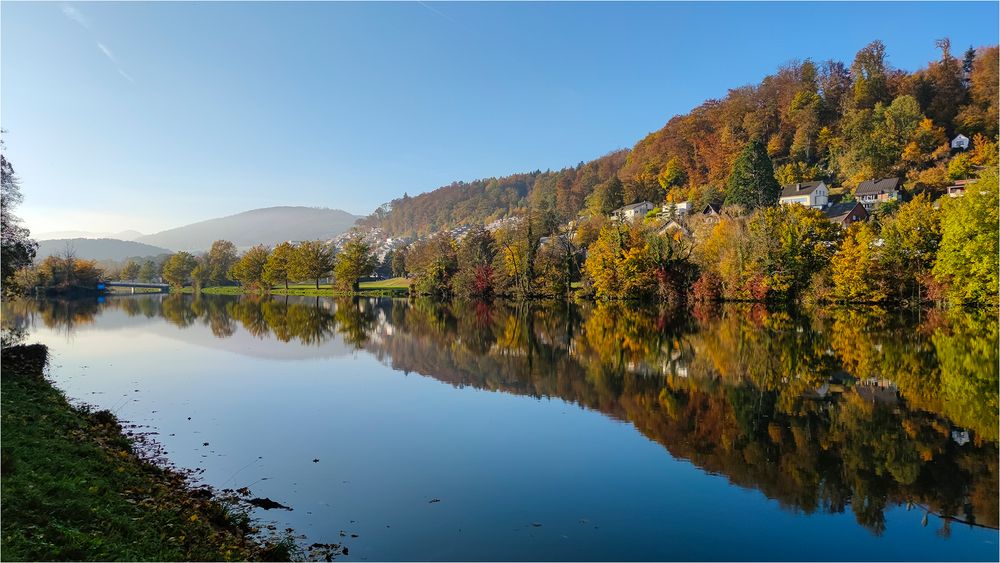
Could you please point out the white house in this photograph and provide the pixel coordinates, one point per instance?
(810, 194)
(960, 142)
(630, 212)
(680, 209)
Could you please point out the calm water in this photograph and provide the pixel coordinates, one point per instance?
(548, 432)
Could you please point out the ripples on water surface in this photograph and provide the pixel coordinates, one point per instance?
(554, 432)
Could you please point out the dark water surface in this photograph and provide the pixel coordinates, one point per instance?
(550, 432)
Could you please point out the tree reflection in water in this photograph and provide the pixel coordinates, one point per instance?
(822, 410)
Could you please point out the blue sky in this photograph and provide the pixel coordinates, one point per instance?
(151, 115)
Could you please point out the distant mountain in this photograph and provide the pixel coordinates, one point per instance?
(53, 235)
(269, 225)
(99, 249)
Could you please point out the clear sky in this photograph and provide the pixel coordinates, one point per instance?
(151, 115)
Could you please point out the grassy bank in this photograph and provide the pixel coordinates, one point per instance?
(393, 287)
(73, 487)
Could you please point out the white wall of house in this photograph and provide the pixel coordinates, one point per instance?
(817, 198)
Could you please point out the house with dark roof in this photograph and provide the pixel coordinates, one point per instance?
(871, 192)
(712, 209)
(845, 213)
(810, 194)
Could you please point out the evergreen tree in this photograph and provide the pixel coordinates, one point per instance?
(751, 182)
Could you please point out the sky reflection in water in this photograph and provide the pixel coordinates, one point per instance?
(591, 432)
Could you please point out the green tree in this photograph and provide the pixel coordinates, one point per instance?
(967, 256)
(249, 269)
(312, 260)
(910, 238)
(751, 182)
(354, 261)
(177, 269)
(277, 269)
(607, 197)
(149, 271)
(399, 263)
(200, 274)
(871, 84)
(220, 260)
(130, 270)
(17, 249)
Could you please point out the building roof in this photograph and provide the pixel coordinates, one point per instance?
(877, 186)
(634, 206)
(800, 188)
(712, 209)
(840, 211)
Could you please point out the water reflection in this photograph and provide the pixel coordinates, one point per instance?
(830, 410)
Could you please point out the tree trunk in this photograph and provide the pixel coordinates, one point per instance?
(317, 284)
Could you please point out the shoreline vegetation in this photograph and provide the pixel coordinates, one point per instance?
(78, 486)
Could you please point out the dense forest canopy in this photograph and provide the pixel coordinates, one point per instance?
(841, 123)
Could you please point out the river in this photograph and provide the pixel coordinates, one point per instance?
(424, 431)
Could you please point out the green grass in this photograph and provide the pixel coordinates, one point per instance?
(381, 288)
(391, 283)
(74, 489)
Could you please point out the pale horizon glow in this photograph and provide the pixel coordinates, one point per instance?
(151, 115)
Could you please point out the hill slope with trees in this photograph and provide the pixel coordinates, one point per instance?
(841, 123)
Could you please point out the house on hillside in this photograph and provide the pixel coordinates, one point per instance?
(961, 142)
(679, 209)
(843, 214)
(672, 228)
(713, 209)
(871, 192)
(810, 194)
(630, 212)
(958, 188)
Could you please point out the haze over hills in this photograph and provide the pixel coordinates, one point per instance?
(99, 249)
(53, 235)
(269, 225)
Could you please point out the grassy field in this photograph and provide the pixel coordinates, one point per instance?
(73, 487)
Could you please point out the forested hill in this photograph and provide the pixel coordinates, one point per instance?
(832, 121)
(482, 201)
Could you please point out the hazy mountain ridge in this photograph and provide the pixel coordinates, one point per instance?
(269, 225)
(55, 235)
(99, 249)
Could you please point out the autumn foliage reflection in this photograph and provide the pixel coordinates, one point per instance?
(824, 410)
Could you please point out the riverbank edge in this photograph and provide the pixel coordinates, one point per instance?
(73, 486)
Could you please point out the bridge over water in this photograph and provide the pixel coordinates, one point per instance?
(160, 287)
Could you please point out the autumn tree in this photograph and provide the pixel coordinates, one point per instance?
(355, 260)
(220, 259)
(857, 266)
(751, 182)
(476, 255)
(312, 260)
(278, 268)
(619, 265)
(433, 263)
(249, 268)
(177, 269)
